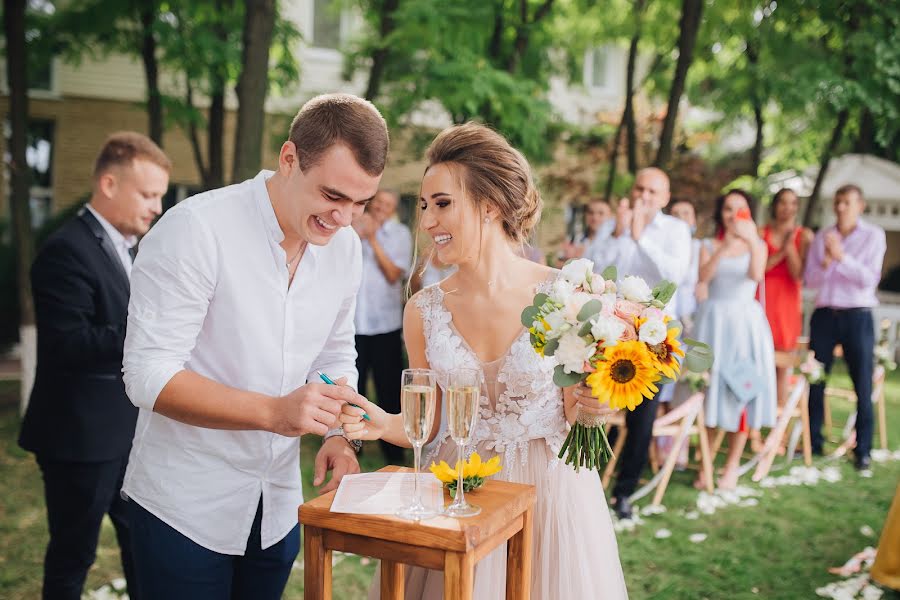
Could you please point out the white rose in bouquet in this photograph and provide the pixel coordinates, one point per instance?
(635, 289)
(573, 352)
(607, 330)
(652, 332)
(579, 272)
(574, 305)
(561, 291)
(556, 322)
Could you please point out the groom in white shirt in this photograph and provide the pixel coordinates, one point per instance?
(645, 242)
(239, 296)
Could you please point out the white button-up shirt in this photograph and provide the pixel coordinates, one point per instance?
(209, 293)
(121, 243)
(379, 308)
(662, 252)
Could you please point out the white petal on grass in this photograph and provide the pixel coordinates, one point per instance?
(662, 534)
(697, 538)
(864, 530)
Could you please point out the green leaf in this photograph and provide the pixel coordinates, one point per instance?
(663, 291)
(610, 273)
(674, 324)
(699, 357)
(550, 347)
(563, 379)
(529, 315)
(540, 300)
(585, 329)
(591, 308)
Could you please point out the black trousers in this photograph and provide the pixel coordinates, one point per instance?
(854, 330)
(78, 494)
(382, 354)
(636, 450)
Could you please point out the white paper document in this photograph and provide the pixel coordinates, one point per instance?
(385, 493)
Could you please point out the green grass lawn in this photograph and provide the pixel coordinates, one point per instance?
(780, 548)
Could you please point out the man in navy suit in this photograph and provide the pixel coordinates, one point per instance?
(79, 422)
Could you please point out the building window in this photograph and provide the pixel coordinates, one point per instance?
(39, 156)
(326, 24)
(596, 68)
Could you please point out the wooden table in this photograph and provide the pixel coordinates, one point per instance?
(442, 543)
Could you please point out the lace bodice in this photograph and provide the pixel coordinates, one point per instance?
(519, 402)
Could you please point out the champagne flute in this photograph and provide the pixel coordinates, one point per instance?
(463, 399)
(417, 405)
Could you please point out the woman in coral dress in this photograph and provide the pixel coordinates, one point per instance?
(787, 244)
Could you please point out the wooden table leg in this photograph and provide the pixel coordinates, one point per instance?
(459, 575)
(392, 584)
(518, 561)
(807, 432)
(316, 565)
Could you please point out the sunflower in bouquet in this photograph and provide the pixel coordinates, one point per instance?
(615, 337)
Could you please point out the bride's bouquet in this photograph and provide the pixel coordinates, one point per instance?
(613, 336)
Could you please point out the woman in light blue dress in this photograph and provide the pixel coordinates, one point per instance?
(742, 392)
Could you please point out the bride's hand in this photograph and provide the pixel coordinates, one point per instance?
(357, 428)
(587, 403)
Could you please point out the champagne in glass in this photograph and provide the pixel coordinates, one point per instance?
(463, 399)
(417, 405)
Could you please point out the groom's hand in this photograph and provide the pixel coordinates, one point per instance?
(336, 456)
(312, 408)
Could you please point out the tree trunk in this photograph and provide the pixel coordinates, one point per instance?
(151, 72)
(523, 32)
(193, 135)
(628, 114)
(691, 12)
(865, 140)
(386, 26)
(253, 84)
(613, 159)
(20, 182)
(215, 151)
(836, 137)
(496, 43)
(759, 143)
(757, 102)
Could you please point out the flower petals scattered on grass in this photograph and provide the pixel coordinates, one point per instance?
(804, 476)
(662, 534)
(697, 537)
(867, 531)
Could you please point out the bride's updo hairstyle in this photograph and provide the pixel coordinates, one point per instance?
(491, 173)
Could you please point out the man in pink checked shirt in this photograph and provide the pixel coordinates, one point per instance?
(844, 265)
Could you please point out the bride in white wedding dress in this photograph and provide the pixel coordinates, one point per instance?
(478, 203)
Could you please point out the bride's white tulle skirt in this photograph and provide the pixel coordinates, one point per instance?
(575, 556)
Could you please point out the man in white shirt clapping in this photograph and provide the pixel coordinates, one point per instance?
(239, 296)
(645, 242)
(387, 254)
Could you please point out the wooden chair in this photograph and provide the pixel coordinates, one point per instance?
(878, 404)
(685, 420)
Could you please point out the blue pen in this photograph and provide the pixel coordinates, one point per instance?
(329, 381)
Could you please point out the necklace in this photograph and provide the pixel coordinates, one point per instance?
(299, 252)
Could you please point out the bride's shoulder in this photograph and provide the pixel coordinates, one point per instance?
(544, 275)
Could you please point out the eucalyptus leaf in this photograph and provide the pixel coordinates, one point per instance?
(550, 347)
(540, 300)
(585, 329)
(699, 357)
(591, 308)
(674, 324)
(664, 291)
(563, 379)
(610, 273)
(530, 315)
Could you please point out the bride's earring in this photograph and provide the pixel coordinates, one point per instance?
(487, 220)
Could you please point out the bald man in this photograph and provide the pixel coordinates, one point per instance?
(645, 242)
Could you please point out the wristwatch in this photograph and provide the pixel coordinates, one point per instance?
(355, 444)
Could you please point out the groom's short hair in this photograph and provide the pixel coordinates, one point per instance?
(346, 119)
